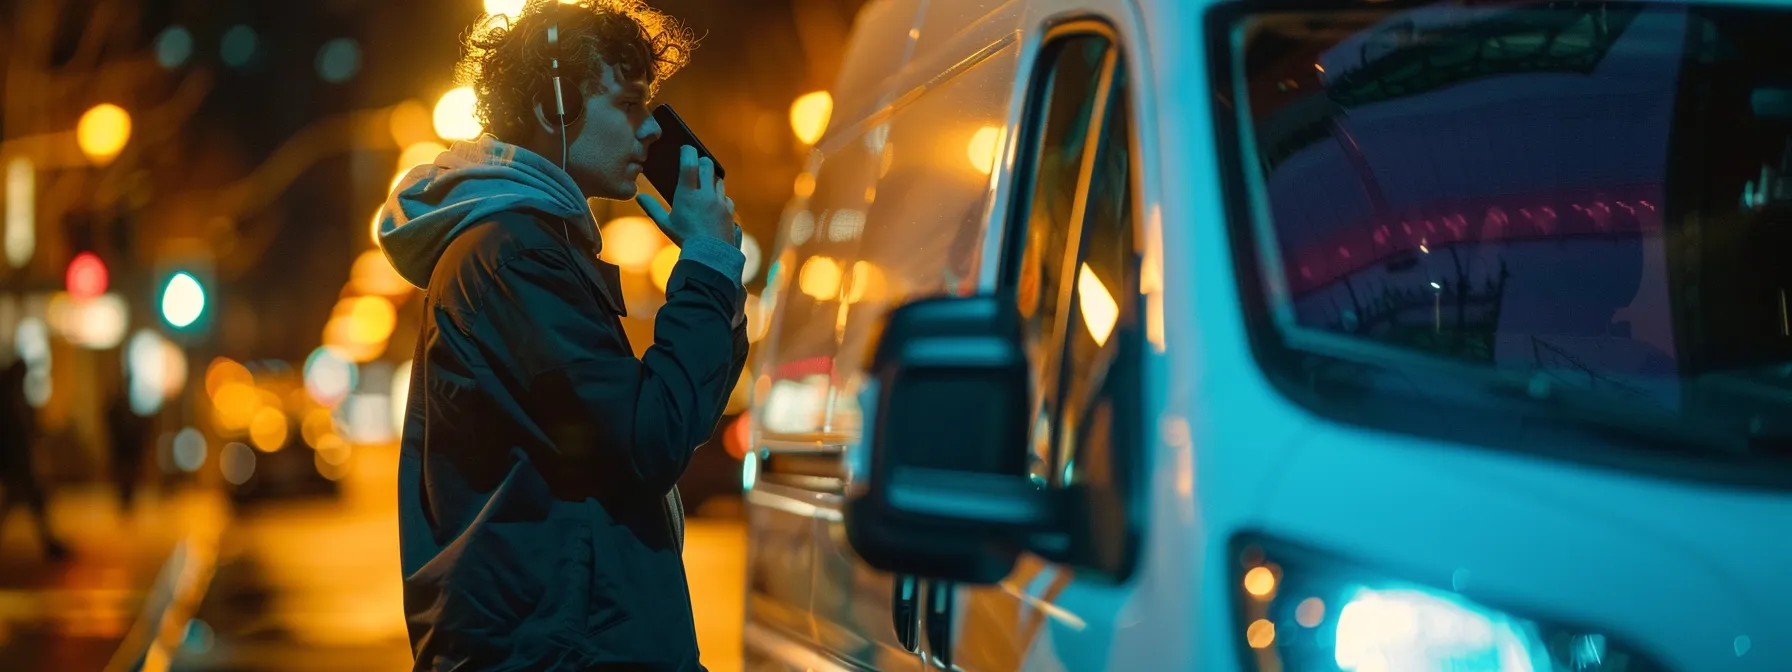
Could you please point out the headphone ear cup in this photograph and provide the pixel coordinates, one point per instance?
(575, 109)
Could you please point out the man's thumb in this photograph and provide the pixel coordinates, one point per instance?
(652, 207)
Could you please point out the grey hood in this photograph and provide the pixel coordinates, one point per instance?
(466, 185)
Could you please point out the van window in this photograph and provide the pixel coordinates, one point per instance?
(1561, 228)
(922, 209)
(1103, 309)
(1073, 268)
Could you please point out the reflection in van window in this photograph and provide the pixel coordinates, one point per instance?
(1583, 208)
(1068, 94)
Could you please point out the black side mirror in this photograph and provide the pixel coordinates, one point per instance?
(941, 487)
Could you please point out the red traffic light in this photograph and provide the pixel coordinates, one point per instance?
(87, 276)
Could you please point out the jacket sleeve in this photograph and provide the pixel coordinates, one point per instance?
(601, 408)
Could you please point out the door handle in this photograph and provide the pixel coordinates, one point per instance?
(905, 611)
(941, 598)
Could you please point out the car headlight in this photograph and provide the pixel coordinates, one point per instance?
(1301, 612)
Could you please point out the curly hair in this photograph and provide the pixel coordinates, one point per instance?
(507, 64)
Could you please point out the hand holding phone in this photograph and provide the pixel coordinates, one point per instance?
(703, 208)
(680, 168)
(665, 156)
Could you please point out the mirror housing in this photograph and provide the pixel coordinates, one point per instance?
(938, 486)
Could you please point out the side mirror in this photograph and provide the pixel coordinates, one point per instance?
(939, 483)
(1771, 102)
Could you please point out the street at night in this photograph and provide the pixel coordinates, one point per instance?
(908, 335)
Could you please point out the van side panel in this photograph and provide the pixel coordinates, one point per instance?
(897, 210)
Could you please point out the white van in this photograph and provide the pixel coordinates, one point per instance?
(1285, 336)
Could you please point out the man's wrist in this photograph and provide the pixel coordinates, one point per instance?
(716, 254)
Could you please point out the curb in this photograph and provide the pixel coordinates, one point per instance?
(181, 584)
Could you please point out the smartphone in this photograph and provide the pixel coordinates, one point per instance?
(661, 167)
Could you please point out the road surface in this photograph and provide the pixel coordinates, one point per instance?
(314, 584)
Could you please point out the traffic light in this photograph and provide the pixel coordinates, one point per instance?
(87, 277)
(186, 296)
(183, 300)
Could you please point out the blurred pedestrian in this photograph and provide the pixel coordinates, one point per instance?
(539, 522)
(18, 470)
(127, 432)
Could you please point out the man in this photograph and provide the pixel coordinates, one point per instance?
(18, 473)
(539, 524)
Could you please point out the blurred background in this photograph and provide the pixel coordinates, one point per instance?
(215, 353)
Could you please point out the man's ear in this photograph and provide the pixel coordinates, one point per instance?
(546, 120)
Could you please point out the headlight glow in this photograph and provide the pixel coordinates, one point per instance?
(1303, 611)
(1417, 630)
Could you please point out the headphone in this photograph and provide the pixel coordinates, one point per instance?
(559, 93)
(566, 119)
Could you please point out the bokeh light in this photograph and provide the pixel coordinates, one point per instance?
(103, 131)
(316, 424)
(31, 341)
(183, 300)
(21, 211)
(238, 46)
(147, 364)
(1260, 634)
(507, 8)
(98, 323)
(329, 377)
(401, 394)
(981, 150)
(749, 246)
(809, 116)
(189, 450)
(820, 278)
(1099, 310)
(173, 47)
(418, 154)
(1260, 581)
(237, 462)
(1310, 612)
(373, 274)
(268, 430)
(455, 118)
(663, 263)
(866, 283)
(802, 227)
(758, 321)
(373, 317)
(410, 123)
(333, 449)
(338, 60)
(223, 371)
(632, 242)
(87, 276)
(234, 407)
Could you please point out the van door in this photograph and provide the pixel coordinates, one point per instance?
(891, 207)
(1072, 263)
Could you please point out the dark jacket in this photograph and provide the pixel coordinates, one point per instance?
(538, 516)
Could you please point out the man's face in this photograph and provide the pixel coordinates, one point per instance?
(607, 146)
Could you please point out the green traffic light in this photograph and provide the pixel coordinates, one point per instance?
(183, 300)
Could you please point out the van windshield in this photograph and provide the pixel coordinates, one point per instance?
(1573, 212)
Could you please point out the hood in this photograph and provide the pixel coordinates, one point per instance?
(466, 185)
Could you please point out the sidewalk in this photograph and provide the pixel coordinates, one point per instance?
(125, 574)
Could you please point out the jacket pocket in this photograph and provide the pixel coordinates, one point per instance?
(605, 573)
(518, 577)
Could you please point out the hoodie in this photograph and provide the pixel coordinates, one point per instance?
(473, 181)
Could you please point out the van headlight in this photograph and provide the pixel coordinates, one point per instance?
(1302, 613)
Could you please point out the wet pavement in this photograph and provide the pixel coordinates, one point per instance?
(186, 582)
(97, 610)
(313, 584)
